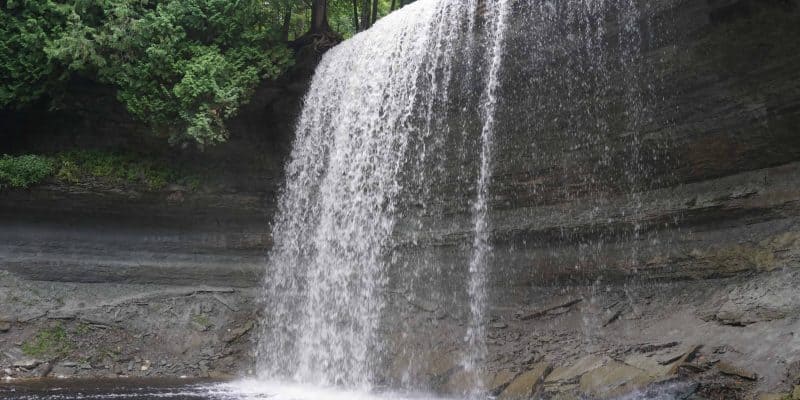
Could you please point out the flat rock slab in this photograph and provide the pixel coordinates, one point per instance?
(613, 379)
(571, 374)
(526, 384)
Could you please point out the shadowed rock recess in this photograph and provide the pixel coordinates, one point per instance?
(644, 219)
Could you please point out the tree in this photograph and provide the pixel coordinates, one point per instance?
(183, 67)
(319, 17)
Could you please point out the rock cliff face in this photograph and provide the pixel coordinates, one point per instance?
(656, 242)
(658, 252)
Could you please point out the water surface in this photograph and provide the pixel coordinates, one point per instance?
(181, 389)
(193, 389)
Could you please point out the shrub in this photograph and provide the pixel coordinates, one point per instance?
(24, 171)
(114, 168)
(51, 343)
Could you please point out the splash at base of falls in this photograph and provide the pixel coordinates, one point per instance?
(259, 390)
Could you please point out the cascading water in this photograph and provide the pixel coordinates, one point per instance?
(336, 215)
(333, 230)
(478, 263)
(402, 122)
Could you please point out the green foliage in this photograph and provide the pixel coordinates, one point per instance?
(182, 66)
(114, 168)
(49, 343)
(24, 171)
(25, 70)
(84, 166)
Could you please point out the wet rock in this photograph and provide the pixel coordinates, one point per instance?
(685, 358)
(499, 325)
(662, 361)
(570, 375)
(650, 364)
(500, 380)
(527, 383)
(613, 379)
(236, 333)
(441, 363)
(5, 326)
(732, 370)
(558, 308)
(462, 382)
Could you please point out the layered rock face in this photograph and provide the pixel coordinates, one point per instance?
(645, 224)
(646, 232)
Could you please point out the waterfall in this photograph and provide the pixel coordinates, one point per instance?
(333, 229)
(404, 121)
(478, 264)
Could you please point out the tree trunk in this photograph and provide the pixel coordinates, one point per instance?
(365, 15)
(355, 15)
(287, 23)
(374, 11)
(394, 3)
(319, 16)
